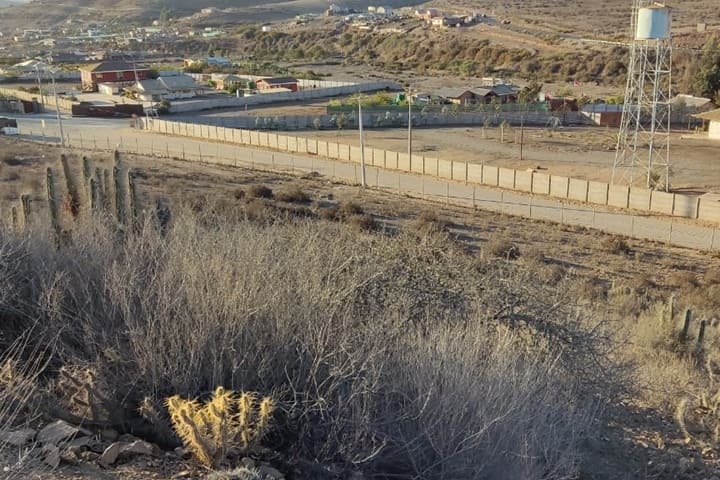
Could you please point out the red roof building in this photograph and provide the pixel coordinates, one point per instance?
(112, 71)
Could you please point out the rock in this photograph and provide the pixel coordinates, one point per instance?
(138, 447)
(52, 456)
(76, 445)
(57, 432)
(110, 455)
(17, 438)
(127, 438)
(182, 452)
(89, 456)
(357, 476)
(109, 435)
(69, 456)
(270, 473)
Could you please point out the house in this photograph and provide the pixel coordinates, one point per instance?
(428, 14)
(604, 114)
(713, 117)
(289, 83)
(458, 96)
(111, 71)
(166, 88)
(505, 93)
(385, 10)
(223, 81)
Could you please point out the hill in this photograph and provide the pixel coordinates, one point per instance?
(49, 12)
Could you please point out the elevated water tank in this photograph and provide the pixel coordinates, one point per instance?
(653, 23)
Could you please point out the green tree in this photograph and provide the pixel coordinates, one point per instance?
(706, 81)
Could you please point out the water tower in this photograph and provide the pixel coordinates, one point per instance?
(642, 156)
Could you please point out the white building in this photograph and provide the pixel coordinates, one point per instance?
(713, 117)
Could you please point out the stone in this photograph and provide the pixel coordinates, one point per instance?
(127, 438)
(109, 434)
(17, 438)
(57, 432)
(89, 456)
(182, 452)
(110, 455)
(76, 445)
(269, 473)
(69, 456)
(138, 447)
(52, 456)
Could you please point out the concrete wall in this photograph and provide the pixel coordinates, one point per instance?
(525, 181)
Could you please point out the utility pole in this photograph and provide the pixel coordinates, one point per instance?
(522, 131)
(409, 100)
(362, 142)
(57, 108)
(39, 82)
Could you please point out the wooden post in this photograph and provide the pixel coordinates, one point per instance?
(686, 325)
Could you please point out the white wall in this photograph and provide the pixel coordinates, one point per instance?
(714, 130)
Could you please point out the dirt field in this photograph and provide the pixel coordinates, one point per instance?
(586, 152)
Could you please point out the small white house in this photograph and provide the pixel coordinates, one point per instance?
(713, 117)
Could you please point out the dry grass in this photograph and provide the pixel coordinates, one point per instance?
(615, 245)
(293, 195)
(502, 248)
(297, 309)
(260, 191)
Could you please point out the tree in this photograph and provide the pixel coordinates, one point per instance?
(530, 93)
(706, 81)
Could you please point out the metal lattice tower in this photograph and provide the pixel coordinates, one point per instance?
(643, 147)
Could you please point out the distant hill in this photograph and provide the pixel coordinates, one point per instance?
(49, 12)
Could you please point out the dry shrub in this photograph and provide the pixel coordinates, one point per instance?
(351, 208)
(331, 213)
(473, 376)
(428, 222)
(616, 245)
(293, 195)
(260, 191)
(239, 194)
(364, 222)
(502, 248)
(259, 210)
(711, 277)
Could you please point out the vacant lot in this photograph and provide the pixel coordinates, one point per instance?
(581, 152)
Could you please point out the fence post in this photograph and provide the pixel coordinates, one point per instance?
(108, 142)
(95, 144)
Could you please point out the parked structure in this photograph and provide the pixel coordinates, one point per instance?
(112, 71)
(289, 83)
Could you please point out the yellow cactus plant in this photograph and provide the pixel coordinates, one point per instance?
(227, 420)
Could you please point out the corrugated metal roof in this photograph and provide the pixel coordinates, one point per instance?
(279, 80)
(712, 115)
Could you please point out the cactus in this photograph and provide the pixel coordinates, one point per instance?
(25, 205)
(14, 216)
(73, 194)
(119, 200)
(132, 198)
(686, 325)
(107, 201)
(87, 172)
(52, 206)
(94, 199)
